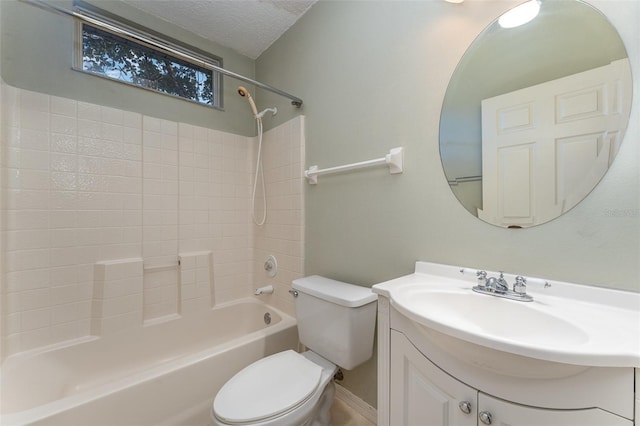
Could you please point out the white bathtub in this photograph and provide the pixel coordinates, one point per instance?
(167, 373)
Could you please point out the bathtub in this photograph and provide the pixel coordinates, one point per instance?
(164, 374)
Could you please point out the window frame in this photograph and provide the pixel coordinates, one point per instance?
(161, 45)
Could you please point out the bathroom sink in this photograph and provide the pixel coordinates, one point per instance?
(565, 325)
(493, 317)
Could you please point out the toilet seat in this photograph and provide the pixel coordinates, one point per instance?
(267, 388)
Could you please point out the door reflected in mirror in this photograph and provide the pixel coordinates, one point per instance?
(534, 115)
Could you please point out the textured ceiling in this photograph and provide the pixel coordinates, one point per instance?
(247, 26)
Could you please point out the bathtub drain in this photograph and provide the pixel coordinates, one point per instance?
(267, 318)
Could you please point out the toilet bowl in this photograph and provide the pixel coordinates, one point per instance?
(287, 388)
(336, 321)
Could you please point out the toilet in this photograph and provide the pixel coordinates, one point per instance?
(336, 322)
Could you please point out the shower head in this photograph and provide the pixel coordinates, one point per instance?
(245, 94)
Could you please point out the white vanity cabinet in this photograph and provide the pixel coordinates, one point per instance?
(423, 394)
(508, 413)
(448, 355)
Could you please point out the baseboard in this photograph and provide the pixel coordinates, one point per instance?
(357, 404)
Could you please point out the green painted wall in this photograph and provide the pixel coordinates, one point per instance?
(373, 75)
(37, 54)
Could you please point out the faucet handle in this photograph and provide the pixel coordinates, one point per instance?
(520, 286)
(482, 278)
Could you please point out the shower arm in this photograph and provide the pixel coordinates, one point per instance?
(85, 16)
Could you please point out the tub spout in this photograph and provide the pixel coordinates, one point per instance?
(267, 289)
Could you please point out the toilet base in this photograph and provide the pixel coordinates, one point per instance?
(322, 417)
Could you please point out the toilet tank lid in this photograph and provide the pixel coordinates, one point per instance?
(337, 292)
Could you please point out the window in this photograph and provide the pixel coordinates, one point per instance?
(127, 60)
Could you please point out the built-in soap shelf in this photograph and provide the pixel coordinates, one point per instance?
(129, 293)
(162, 267)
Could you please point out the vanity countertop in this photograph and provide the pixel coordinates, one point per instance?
(565, 323)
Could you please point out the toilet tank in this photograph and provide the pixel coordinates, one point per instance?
(336, 320)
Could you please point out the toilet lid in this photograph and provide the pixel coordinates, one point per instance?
(267, 388)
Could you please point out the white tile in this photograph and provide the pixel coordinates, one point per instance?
(24, 202)
(186, 130)
(169, 127)
(151, 124)
(63, 162)
(89, 111)
(111, 235)
(112, 148)
(112, 132)
(64, 256)
(111, 218)
(132, 119)
(64, 313)
(70, 330)
(33, 159)
(34, 101)
(132, 152)
(63, 106)
(122, 305)
(34, 299)
(86, 236)
(62, 219)
(12, 323)
(70, 294)
(61, 276)
(62, 181)
(89, 129)
(63, 238)
(62, 124)
(34, 179)
(132, 135)
(121, 322)
(112, 115)
(35, 338)
(34, 319)
(33, 139)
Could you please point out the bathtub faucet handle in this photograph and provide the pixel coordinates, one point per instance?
(271, 266)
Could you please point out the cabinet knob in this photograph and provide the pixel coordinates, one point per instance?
(485, 417)
(465, 407)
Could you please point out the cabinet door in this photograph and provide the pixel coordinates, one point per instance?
(505, 413)
(422, 394)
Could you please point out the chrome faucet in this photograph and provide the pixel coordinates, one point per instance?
(500, 287)
(497, 285)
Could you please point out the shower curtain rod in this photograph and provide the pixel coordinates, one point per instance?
(167, 47)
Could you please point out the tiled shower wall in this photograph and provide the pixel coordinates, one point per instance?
(282, 235)
(99, 204)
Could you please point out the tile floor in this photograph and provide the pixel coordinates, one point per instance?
(343, 415)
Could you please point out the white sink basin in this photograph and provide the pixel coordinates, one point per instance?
(493, 317)
(567, 323)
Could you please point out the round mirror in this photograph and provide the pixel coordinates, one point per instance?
(535, 113)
